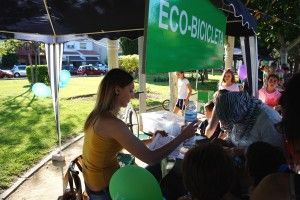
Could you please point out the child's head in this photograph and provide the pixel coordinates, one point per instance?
(208, 108)
(228, 76)
(263, 159)
(180, 74)
(208, 172)
(272, 81)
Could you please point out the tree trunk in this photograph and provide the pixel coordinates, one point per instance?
(283, 55)
(283, 50)
(31, 68)
(206, 74)
(39, 55)
(297, 60)
(36, 71)
(229, 46)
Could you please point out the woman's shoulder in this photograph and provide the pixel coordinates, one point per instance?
(107, 125)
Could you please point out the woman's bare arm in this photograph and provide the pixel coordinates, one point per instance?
(190, 90)
(122, 134)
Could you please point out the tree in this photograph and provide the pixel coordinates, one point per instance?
(9, 46)
(128, 46)
(9, 60)
(33, 48)
(278, 24)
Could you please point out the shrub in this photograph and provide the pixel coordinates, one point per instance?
(129, 63)
(40, 72)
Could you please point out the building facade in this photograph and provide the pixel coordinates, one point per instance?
(85, 52)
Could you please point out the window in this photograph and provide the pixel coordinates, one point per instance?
(71, 46)
(82, 45)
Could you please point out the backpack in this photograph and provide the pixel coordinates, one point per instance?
(72, 179)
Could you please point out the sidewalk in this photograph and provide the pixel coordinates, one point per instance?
(46, 183)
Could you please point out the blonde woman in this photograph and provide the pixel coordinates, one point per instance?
(106, 135)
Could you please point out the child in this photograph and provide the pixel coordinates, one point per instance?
(228, 82)
(184, 92)
(270, 94)
(208, 108)
(208, 173)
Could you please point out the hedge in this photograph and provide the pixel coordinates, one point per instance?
(40, 72)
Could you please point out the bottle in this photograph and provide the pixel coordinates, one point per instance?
(190, 113)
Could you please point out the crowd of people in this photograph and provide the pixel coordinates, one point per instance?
(251, 150)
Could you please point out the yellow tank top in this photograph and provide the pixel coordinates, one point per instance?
(99, 159)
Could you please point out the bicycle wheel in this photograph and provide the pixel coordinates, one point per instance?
(166, 104)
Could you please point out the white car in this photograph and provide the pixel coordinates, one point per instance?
(103, 68)
(19, 70)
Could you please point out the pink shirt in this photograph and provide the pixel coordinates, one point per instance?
(271, 99)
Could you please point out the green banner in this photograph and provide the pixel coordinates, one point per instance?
(183, 35)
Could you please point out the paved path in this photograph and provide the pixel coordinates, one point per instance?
(47, 182)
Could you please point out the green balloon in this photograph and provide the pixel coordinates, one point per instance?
(134, 183)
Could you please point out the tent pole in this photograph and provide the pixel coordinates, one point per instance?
(248, 64)
(254, 64)
(142, 81)
(54, 58)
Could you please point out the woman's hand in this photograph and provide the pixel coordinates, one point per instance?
(223, 135)
(190, 129)
(186, 102)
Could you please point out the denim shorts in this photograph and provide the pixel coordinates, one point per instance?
(101, 195)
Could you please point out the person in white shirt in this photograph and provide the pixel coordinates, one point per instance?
(228, 82)
(184, 92)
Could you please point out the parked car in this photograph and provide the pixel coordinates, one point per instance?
(6, 74)
(88, 70)
(72, 69)
(19, 70)
(103, 68)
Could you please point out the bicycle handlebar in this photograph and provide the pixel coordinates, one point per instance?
(139, 92)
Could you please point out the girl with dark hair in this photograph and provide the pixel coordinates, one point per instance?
(270, 94)
(106, 135)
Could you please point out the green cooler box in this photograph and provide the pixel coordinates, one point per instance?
(203, 97)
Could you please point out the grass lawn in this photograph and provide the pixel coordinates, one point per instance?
(27, 125)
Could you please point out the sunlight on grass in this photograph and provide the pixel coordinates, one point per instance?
(27, 124)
